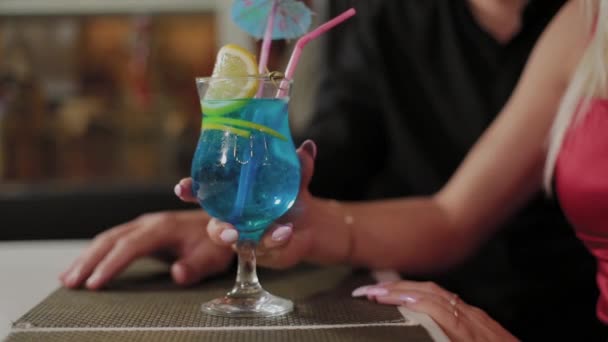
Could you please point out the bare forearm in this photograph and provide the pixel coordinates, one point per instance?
(407, 234)
(498, 175)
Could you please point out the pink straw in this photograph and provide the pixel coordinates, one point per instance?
(305, 39)
(265, 52)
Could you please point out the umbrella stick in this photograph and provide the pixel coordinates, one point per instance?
(266, 42)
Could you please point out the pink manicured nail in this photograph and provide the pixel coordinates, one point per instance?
(93, 280)
(282, 233)
(408, 299)
(178, 190)
(213, 226)
(229, 235)
(310, 147)
(377, 291)
(403, 299)
(361, 291)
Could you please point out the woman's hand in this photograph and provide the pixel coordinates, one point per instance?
(178, 235)
(280, 247)
(460, 321)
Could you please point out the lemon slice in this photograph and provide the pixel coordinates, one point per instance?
(227, 92)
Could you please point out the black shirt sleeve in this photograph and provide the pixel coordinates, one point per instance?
(347, 125)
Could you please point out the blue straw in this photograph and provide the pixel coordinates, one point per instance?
(248, 174)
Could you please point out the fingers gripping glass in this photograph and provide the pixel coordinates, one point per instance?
(246, 172)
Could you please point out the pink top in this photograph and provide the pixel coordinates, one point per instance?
(581, 181)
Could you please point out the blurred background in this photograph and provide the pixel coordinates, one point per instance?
(99, 114)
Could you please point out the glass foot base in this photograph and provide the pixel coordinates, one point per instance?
(262, 304)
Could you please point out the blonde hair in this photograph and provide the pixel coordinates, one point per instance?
(588, 81)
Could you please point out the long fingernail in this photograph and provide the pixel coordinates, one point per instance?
(178, 190)
(408, 299)
(403, 299)
(361, 291)
(282, 233)
(229, 235)
(93, 280)
(213, 226)
(310, 147)
(377, 291)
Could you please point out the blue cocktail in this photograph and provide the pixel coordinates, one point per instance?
(247, 178)
(246, 172)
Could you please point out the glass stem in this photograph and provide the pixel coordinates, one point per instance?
(247, 282)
